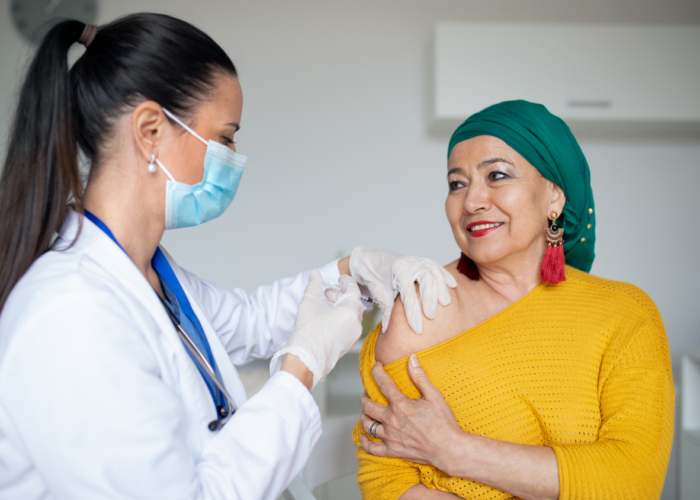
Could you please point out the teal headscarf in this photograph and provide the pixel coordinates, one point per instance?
(546, 142)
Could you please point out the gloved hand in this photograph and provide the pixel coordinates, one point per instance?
(324, 331)
(385, 273)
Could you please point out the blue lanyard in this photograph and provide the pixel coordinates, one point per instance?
(162, 266)
(165, 271)
(95, 220)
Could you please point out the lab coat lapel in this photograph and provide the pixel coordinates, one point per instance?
(229, 375)
(100, 248)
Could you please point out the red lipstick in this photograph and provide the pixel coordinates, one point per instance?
(478, 233)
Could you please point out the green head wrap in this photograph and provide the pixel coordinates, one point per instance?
(547, 143)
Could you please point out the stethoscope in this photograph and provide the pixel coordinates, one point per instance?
(217, 424)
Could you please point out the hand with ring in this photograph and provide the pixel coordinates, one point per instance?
(421, 430)
(425, 431)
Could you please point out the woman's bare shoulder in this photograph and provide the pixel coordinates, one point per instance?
(400, 340)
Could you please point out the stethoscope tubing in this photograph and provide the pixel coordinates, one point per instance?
(197, 354)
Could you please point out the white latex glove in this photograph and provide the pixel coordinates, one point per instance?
(324, 330)
(385, 273)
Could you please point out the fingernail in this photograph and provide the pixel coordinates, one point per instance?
(414, 361)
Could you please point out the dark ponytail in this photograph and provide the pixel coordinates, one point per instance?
(41, 170)
(133, 59)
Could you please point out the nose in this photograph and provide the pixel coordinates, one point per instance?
(477, 199)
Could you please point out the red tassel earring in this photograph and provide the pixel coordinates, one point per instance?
(468, 268)
(553, 265)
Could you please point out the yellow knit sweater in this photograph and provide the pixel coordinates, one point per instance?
(582, 367)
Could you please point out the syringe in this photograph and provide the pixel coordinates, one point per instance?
(365, 298)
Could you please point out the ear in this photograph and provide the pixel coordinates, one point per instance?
(558, 200)
(147, 125)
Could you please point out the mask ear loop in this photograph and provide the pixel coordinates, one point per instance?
(170, 176)
(184, 126)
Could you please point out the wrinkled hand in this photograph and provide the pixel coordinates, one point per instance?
(324, 330)
(419, 430)
(385, 273)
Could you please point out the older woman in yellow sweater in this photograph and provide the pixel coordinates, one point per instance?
(538, 381)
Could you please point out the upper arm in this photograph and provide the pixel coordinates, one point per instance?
(387, 478)
(254, 326)
(380, 478)
(250, 326)
(400, 340)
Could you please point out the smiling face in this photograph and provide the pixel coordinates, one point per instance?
(498, 203)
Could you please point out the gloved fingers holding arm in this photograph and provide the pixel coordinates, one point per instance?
(411, 303)
(324, 330)
(386, 273)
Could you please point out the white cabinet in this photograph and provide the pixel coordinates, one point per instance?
(690, 426)
(582, 73)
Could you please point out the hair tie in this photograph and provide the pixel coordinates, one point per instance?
(88, 35)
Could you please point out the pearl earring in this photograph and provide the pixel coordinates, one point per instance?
(152, 163)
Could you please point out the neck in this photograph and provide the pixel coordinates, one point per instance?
(122, 203)
(515, 276)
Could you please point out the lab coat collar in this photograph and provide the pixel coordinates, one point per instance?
(80, 235)
(94, 243)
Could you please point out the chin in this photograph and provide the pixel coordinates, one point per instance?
(487, 255)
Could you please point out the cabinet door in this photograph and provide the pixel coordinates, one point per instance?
(690, 465)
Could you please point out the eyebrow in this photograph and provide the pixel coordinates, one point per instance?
(485, 163)
(235, 125)
(491, 161)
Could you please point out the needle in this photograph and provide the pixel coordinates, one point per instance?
(364, 298)
(369, 299)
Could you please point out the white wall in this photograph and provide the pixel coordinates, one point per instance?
(334, 125)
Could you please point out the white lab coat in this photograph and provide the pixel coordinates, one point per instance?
(99, 398)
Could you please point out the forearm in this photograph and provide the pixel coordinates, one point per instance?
(529, 472)
(422, 492)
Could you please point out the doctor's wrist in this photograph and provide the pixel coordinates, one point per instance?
(296, 367)
(344, 266)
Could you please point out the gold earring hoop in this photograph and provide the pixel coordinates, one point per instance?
(152, 163)
(554, 263)
(554, 233)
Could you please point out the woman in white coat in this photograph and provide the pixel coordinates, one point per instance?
(117, 375)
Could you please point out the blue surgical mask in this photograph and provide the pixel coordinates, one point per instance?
(187, 206)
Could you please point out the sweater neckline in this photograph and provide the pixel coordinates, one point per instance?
(508, 310)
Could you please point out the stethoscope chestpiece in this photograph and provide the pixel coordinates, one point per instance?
(215, 425)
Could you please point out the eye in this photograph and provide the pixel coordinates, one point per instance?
(454, 185)
(227, 140)
(497, 176)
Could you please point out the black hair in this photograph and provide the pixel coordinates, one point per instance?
(136, 58)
